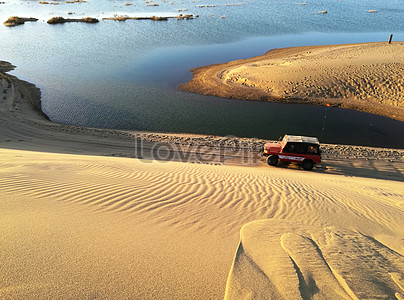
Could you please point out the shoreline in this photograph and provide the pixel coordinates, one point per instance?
(22, 108)
(19, 95)
(315, 75)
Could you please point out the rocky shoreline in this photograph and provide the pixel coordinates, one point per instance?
(256, 145)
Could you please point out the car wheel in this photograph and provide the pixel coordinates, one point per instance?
(272, 160)
(308, 164)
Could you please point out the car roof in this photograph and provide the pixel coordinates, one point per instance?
(301, 139)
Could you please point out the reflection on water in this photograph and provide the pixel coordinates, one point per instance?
(124, 74)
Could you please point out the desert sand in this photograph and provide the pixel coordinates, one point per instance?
(91, 213)
(366, 77)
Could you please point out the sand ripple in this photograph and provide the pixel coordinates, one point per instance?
(321, 234)
(187, 195)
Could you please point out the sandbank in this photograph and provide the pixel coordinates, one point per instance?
(95, 213)
(366, 77)
(15, 21)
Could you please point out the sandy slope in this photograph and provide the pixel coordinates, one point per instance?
(366, 77)
(84, 226)
(77, 222)
(279, 259)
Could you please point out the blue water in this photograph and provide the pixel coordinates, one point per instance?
(124, 74)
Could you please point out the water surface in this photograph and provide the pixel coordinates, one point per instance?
(124, 74)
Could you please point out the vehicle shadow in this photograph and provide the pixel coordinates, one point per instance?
(361, 167)
(352, 167)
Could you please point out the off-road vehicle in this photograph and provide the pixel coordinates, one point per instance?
(303, 150)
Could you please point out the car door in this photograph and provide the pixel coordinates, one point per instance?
(293, 152)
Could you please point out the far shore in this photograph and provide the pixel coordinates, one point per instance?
(366, 77)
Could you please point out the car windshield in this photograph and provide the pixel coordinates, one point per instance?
(284, 140)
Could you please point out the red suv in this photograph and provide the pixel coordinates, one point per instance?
(304, 150)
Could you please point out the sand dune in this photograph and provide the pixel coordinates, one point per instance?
(366, 77)
(81, 220)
